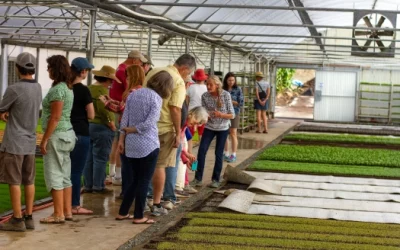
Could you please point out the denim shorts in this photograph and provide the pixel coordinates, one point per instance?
(57, 161)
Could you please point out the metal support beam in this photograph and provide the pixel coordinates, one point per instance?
(241, 6)
(3, 70)
(187, 47)
(305, 18)
(149, 42)
(91, 42)
(37, 64)
(230, 61)
(212, 60)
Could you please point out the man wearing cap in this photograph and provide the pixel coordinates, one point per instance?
(135, 57)
(261, 101)
(20, 109)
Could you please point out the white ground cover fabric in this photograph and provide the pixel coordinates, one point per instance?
(323, 197)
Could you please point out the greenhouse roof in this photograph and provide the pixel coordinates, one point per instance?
(297, 31)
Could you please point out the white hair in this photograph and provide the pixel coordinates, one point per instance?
(199, 114)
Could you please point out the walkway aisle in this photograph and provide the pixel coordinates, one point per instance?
(101, 231)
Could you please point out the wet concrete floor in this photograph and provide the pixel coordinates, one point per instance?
(101, 231)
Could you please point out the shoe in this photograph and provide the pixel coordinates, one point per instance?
(103, 191)
(147, 209)
(120, 197)
(226, 158)
(177, 201)
(215, 184)
(117, 181)
(29, 224)
(182, 194)
(158, 211)
(196, 183)
(86, 191)
(14, 224)
(189, 189)
(168, 205)
(232, 159)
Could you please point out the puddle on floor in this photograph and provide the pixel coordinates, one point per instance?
(250, 144)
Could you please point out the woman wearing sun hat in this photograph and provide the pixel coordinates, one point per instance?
(194, 93)
(101, 131)
(261, 101)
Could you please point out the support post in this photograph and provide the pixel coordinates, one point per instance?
(3, 70)
(187, 47)
(230, 61)
(149, 44)
(212, 61)
(93, 14)
(37, 64)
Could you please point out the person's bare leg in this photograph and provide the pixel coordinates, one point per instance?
(265, 120)
(258, 120)
(234, 139)
(68, 201)
(29, 198)
(58, 202)
(113, 157)
(158, 184)
(15, 195)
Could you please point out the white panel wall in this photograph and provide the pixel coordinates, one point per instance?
(335, 96)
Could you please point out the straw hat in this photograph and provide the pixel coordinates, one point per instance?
(107, 72)
(260, 74)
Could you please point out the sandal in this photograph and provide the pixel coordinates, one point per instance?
(258, 132)
(265, 132)
(69, 217)
(53, 220)
(147, 221)
(81, 211)
(126, 217)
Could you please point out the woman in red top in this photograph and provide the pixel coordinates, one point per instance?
(134, 78)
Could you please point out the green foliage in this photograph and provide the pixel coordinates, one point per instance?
(333, 155)
(284, 79)
(325, 169)
(344, 138)
(293, 220)
(40, 193)
(200, 246)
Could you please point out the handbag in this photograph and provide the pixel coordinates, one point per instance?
(261, 94)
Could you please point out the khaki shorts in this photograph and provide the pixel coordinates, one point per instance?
(167, 155)
(235, 121)
(57, 162)
(17, 169)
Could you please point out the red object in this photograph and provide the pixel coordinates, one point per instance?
(117, 89)
(200, 130)
(200, 75)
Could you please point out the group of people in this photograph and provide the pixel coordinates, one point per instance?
(145, 117)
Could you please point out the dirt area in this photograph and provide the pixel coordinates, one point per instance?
(305, 76)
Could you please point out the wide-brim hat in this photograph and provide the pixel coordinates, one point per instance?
(200, 75)
(260, 74)
(107, 72)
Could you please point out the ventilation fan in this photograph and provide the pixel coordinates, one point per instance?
(371, 37)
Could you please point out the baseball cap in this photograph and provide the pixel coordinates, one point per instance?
(81, 63)
(137, 54)
(148, 59)
(26, 60)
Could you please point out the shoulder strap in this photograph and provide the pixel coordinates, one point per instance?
(260, 87)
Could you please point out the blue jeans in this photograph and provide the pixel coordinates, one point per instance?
(126, 173)
(78, 160)
(142, 170)
(170, 179)
(101, 138)
(206, 140)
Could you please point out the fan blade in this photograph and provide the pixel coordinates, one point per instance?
(380, 44)
(362, 33)
(381, 20)
(366, 45)
(367, 22)
(385, 33)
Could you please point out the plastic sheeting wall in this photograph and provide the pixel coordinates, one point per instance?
(335, 96)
